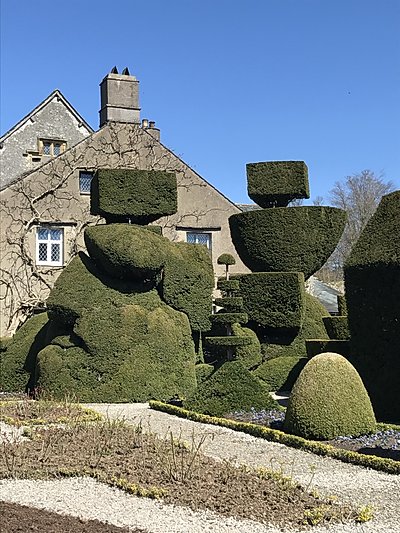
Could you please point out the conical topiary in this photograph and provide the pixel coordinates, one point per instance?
(328, 400)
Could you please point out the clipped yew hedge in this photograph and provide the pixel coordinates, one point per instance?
(277, 182)
(250, 354)
(188, 282)
(280, 373)
(337, 327)
(17, 362)
(125, 250)
(139, 195)
(328, 400)
(232, 387)
(273, 299)
(372, 281)
(390, 466)
(298, 239)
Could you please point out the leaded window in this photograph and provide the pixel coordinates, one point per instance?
(85, 179)
(49, 246)
(199, 238)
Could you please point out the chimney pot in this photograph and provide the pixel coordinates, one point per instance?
(114, 70)
(125, 72)
(152, 124)
(145, 123)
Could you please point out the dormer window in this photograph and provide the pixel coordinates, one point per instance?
(51, 147)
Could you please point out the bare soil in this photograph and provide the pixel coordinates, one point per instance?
(22, 519)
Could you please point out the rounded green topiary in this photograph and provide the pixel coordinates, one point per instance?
(203, 372)
(249, 355)
(328, 400)
(226, 259)
(232, 387)
(124, 250)
(299, 239)
(280, 373)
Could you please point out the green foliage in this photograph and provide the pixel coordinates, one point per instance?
(228, 341)
(294, 346)
(233, 304)
(342, 305)
(337, 327)
(82, 286)
(250, 354)
(125, 250)
(226, 259)
(318, 346)
(280, 373)
(228, 285)
(139, 195)
(372, 280)
(298, 239)
(277, 182)
(328, 400)
(203, 372)
(17, 363)
(228, 318)
(4, 342)
(229, 388)
(390, 466)
(188, 283)
(132, 353)
(273, 299)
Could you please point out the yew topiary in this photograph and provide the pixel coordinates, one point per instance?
(280, 373)
(328, 400)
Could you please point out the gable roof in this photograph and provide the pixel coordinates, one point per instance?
(61, 97)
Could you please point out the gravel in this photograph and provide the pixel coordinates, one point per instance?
(89, 499)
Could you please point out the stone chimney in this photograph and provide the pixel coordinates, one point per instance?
(119, 98)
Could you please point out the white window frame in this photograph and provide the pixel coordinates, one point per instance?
(50, 242)
(196, 233)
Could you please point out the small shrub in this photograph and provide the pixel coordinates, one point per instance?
(328, 400)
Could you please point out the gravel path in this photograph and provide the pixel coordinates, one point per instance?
(90, 499)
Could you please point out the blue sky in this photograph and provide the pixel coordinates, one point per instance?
(227, 81)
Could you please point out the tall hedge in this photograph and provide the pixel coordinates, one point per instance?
(141, 196)
(277, 182)
(287, 239)
(372, 281)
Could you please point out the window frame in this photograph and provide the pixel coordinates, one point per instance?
(52, 143)
(50, 242)
(196, 233)
(81, 191)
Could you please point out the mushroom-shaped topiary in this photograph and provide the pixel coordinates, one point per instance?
(328, 400)
(227, 260)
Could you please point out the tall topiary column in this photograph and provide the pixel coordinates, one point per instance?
(372, 281)
(281, 245)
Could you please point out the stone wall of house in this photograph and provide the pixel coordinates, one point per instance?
(50, 195)
(52, 121)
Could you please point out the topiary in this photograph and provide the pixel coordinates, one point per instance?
(250, 354)
(372, 281)
(203, 372)
(337, 327)
(280, 373)
(328, 400)
(19, 360)
(232, 387)
(298, 239)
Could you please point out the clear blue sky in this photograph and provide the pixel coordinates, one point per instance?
(227, 81)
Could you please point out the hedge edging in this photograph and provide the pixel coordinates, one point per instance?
(388, 466)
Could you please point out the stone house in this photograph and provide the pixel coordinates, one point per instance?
(45, 193)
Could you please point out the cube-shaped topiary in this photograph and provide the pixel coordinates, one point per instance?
(337, 327)
(317, 346)
(372, 281)
(276, 183)
(328, 400)
(140, 196)
(297, 239)
(273, 299)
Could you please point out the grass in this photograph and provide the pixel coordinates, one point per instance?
(136, 461)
